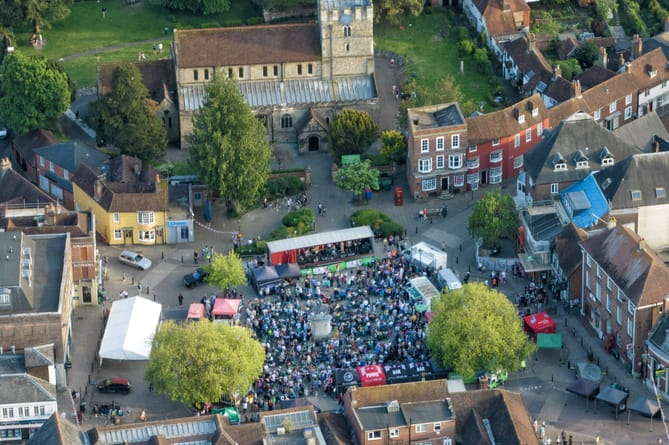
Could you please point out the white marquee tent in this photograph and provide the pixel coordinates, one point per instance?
(130, 328)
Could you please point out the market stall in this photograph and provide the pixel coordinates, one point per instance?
(195, 312)
(225, 308)
(540, 323)
(263, 276)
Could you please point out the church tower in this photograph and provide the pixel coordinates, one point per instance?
(347, 37)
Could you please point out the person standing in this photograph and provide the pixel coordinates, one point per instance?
(180, 298)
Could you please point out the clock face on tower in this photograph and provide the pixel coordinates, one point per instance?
(345, 19)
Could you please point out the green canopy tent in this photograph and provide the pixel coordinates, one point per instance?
(549, 341)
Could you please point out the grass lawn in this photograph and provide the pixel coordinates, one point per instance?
(85, 30)
(431, 53)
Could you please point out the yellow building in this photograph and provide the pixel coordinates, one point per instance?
(129, 202)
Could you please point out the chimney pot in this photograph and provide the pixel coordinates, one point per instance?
(656, 146)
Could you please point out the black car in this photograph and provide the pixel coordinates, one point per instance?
(196, 277)
(115, 384)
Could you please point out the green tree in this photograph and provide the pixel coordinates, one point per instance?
(480, 56)
(126, 116)
(394, 146)
(225, 271)
(466, 47)
(203, 7)
(200, 362)
(357, 176)
(494, 216)
(32, 93)
(587, 54)
(477, 329)
(36, 13)
(393, 11)
(351, 132)
(568, 67)
(229, 148)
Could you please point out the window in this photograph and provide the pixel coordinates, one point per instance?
(588, 260)
(310, 68)
(628, 99)
(472, 148)
(8, 412)
(458, 180)
(555, 188)
(299, 69)
(347, 47)
(440, 143)
(117, 234)
(496, 156)
(448, 441)
(286, 121)
(608, 303)
(394, 433)
(454, 162)
(373, 435)
(619, 315)
(540, 129)
(145, 218)
(630, 326)
(437, 428)
(528, 135)
(117, 218)
(41, 410)
(630, 308)
(598, 291)
(66, 174)
(421, 428)
(521, 119)
(41, 161)
(495, 142)
(241, 73)
(612, 107)
(636, 195)
(455, 141)
(147, 235)
(597, 115)
(518, 161)
(582, 164)
(425, 165)
(196, 75)
(628, 113)
(276, 70)
(347, 31)
(229, 73)
(599, 272)
(35, 411)
(206, 74)
(429, 184)
(264, 71)
(5, 296)
(495, 175)
(516, 141)
(609, 283)
(52, 167)
(440, 161)
(424, 145)
(660, 193)
(607, 161)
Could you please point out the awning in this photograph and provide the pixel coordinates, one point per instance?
(539, 323)
(225, 307)
(420, 370)
(264, 274)
(584, 388)
(195, 311)
(612, 396)
(396, 372)
(130, 328)
(549, 341)
(317, 239)
(645, 407)
(372, 375)
(346, 377)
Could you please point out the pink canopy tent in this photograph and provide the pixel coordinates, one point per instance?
(225, 307)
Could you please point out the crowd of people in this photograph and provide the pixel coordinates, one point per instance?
(374, 321)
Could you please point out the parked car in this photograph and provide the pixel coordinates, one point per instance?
(194, 278)
(134, 259)
(119, 385)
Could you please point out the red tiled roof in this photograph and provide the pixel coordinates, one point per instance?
(248, 45)
(489, 126)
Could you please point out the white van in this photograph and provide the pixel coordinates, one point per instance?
(446, 279)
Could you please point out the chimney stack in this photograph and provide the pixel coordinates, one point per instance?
(642, 245)
(157, 183)
(621, 60)
(656, 146)
(5, 164)
(603, 57)
(97, 192)
(50, 215)
(637, 47)
(576, 88)
(557, 72)
(611, 223)
(531, 43)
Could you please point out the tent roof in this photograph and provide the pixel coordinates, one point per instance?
(612, 396)
(549, 341)
(130, 328)
(264, 274)
(540, 322)
(583, 387)
(646, 407)
(196, 310)
(226, 306)
(288, 270)
(318, 239)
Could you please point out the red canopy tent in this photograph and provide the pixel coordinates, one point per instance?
(540, 323)
(225, 307)
(372, 375)
(195, 311)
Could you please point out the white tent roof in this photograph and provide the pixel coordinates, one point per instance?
(130, 328)
(317, 239)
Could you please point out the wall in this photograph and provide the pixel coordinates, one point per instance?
(653, 225)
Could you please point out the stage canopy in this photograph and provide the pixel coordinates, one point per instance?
(130, 328)
(288, 271)
(549, 341)
(225, 307)
(372, 375)
(584, 388)
(645, 407)
(539, 323)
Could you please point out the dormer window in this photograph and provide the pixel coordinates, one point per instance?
(605, 157)
(535, 112)
(651, 71)
(5, 296)
(582, 164)
(521, 119)
(560, 166)
(607, 161)
(559, 162)
(581, 160)
(660, 193)
(636, 195)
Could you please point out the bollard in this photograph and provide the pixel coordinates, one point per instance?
(162, 255)
(147, 289)
(460, 247)
(416, 229)
(132, 280)
(552, 378)
(573, 332)
(154, 297)
(568, 364)
(457, 260)
(469, 268)
(430, 220)
(565, 322)
(182, 259)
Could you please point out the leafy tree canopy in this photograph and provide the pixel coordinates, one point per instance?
(477, 329)
(203, 7)
(357, 176)
(37, 13)
(393, 11)
(394, 146)
(494, 216)
(351, 132)
(587, 54)
(568, 68)
(200, 362)
(32, 93)
(126, 116)
(229, 148)
(225, 271)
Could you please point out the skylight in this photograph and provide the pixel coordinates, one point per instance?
(636, 195)
(660, 193)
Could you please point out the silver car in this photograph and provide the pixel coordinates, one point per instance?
(134, 259)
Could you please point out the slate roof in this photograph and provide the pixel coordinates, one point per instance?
(641, 172)
(486, 127)
(659, 338)
(247, 45)
(435, 116)
(20, 388)
(310, 115)
(567, 247)
(641, 132)
(70, 155)
(57, 431)
(559, 89)
(505, 411)
(577, 133)
(16, 189)
(25, 143)
(501, 22)
(594, 75)
(567, 48)
(529, 62)
(157, 75)
(273, 93)
(39, 356)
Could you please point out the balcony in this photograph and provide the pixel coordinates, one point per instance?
(473, 163)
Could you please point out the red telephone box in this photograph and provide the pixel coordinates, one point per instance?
(399, 197)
